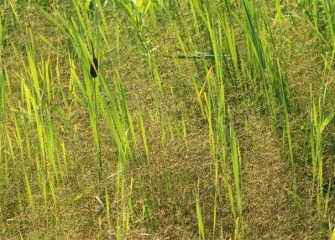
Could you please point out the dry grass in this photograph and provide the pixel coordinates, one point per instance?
(165, 185)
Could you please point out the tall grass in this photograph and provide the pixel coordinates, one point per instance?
(233, 49)
(318, 123)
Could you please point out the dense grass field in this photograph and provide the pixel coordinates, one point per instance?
(167, 119)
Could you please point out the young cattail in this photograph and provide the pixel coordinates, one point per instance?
(94, 66)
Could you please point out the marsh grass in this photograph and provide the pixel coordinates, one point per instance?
(196, 125)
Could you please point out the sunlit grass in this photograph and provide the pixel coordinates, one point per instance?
(127, 119)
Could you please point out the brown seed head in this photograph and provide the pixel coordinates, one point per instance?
(94, 69)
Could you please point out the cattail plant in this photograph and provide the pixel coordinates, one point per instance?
(94, 64)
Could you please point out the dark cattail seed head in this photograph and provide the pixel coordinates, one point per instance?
(94, 69)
